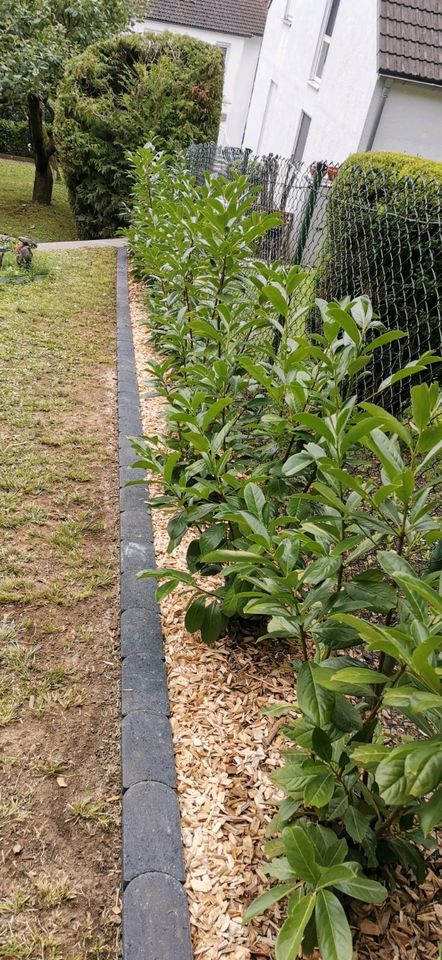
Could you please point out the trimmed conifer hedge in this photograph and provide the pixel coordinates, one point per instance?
(119, 94)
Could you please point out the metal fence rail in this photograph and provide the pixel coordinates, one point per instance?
(371, 232)
(298, 192)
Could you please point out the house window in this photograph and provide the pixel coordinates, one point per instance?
(301, 136)
(273, 89)
(224, 50)
(324, 43)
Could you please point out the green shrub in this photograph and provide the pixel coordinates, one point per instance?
(15, 137)
(315, 512)
(117, 95)
(383, 239)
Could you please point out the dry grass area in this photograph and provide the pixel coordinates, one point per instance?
(225, 750)
(59, 702)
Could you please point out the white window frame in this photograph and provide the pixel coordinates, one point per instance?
(226, 48)
(304, 121)
(288, 13)
(324, 42)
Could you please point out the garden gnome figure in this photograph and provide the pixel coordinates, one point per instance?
(23, 252)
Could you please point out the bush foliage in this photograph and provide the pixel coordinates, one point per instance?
(311, 516)
(15, 137)
(118, 94)
(382, 239)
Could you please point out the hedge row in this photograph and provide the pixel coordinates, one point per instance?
(119, 94)
(14, 137)
(383, 239)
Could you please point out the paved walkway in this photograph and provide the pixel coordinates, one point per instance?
(83, 244)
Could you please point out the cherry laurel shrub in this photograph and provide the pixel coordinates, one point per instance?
(312, 515)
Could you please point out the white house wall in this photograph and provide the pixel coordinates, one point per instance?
(240, 68)
(411, 121)
(339, 105)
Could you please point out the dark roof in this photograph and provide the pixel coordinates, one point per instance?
(245, 18)
(410, 39)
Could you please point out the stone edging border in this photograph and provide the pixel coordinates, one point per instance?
(155, 912)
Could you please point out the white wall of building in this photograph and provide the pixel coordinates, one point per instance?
(338, 105)
(240, 68)
(411, 121)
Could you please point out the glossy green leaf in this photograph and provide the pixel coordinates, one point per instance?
(334, 935)
(195, 615)
(362, 888)
(359, 676)
(430, 813)
(301, 853)
(356, 823)
(254, 498)
(291, 933)
(319, 791)
(314, 701)
(321, 744)
(267, 899)
(333, 875)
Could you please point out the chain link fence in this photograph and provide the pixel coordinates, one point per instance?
(369, 231)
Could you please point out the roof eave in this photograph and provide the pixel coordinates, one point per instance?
(394, 75)
(230, 33)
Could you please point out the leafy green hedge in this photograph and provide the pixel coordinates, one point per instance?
(14, 137)
(120, 93)
(258, 464)
(383, 239)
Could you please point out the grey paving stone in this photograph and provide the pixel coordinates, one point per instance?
(136, 556)
(143, 685)
(128, 410)
(125, 344)
(128, 473)
(135, 524)
(141, 633)
(155, 919)
(133, 497)
(151, 832)
(127, 454)
(126, 366)
(147, 749)
(134, 592)
(129, 417)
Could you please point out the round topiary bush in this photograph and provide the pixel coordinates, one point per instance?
(117, 95)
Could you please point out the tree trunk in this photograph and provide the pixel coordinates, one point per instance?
(43, 151)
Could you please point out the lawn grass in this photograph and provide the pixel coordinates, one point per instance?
(19, 216)
(59, 562)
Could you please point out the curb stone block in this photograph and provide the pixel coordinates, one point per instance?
(135, 525)
(136, 556)
(134, 592)
(141, 634)
(132, 498)
(155, 913)
(132, 473)
(144, 685)
(147, 749)
(155, 919)
(151, 832)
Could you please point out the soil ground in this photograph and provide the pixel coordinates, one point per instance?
(59, 697)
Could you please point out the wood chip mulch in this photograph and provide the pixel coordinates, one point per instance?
(225, 750)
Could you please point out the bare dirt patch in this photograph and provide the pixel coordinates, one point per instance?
(59, 706)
